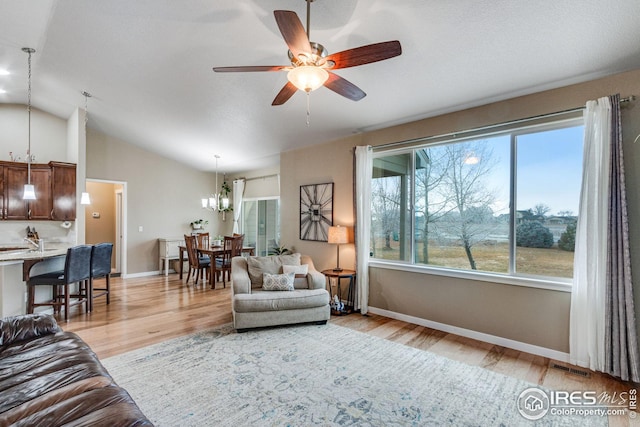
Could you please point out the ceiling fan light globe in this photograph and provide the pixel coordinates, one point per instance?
(308, 78)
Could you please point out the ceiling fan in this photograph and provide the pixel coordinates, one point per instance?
(311, 65)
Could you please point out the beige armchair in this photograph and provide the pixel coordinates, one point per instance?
(253, 306)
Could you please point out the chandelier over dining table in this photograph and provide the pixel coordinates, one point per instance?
(216, 201)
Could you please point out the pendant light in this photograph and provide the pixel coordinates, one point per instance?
(212, 201)
(215, 200)
(224, 199)
(29, 190)
(85, 198)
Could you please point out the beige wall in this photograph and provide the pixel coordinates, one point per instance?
(534, 316)
(163, 196)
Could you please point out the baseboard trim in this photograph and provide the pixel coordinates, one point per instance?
(143, 274)
(480, 336)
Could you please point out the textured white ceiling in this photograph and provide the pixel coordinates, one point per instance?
(148, 65)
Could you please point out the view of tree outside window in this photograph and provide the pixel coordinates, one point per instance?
(503, 203)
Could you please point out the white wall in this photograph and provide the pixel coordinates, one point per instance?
(48, 134)
(49, 141)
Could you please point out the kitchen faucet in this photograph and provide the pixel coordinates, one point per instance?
(32, 242)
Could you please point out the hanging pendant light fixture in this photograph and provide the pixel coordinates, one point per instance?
(29, 190)
(85, 198)
(215, 200)
(223, 195)
(212, 201)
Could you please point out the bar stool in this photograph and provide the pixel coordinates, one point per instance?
(100, 267)
(77, 269)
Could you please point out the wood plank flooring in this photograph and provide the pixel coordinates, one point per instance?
(145, 311)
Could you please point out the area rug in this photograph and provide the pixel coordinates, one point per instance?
(315, 376)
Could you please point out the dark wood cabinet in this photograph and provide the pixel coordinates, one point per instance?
(63, 190)
(55, 187)
(40, 208)
(15, 177)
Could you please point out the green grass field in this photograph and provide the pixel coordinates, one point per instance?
(493, 258)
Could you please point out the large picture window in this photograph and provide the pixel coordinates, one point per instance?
(503, 203)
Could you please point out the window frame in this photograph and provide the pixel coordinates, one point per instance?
(513, 130)
(242, 225)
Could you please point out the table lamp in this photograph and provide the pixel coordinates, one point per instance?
(338, 236)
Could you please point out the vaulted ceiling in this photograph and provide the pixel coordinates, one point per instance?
(148, 65)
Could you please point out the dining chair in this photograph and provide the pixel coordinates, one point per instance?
(100, 268)
(232, 247)
(203, 240)
(77, 269)
(198, 264)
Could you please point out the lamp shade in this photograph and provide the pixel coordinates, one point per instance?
(338, 235)
(307, 77)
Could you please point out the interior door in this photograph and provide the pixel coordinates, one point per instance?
(119, 230)
(105, 219)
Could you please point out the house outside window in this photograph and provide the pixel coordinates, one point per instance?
(502, 203)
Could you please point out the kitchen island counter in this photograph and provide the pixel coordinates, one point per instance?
(16, 263)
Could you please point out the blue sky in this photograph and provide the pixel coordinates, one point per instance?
(549, 170)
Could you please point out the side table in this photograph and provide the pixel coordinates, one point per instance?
(351, 296)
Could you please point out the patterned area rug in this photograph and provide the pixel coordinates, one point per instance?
(315, 375)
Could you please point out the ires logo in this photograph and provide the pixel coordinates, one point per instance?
(534, 403)
(574, 398)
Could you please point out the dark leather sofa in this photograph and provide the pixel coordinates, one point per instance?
(52, 378)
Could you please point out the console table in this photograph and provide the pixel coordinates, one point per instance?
(169, 249)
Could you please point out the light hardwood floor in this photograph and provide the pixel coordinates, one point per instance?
(145, 311)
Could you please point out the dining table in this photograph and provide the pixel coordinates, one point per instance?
(212, 252)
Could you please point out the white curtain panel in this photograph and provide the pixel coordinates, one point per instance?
(587, 318)
(238, 192)
(364, 170)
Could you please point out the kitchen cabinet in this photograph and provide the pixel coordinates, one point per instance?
(63, 189)
(14, 179)
(40, 208)
(55, 188)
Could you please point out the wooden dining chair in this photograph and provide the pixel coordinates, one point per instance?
(203, 240)
(199, 265)
(222, 266)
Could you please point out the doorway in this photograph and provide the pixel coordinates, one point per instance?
(105, 219)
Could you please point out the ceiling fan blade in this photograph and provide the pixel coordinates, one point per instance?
(292, 31)
(285, 93)
(344, 87)
(249, 68)
(365, 54)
